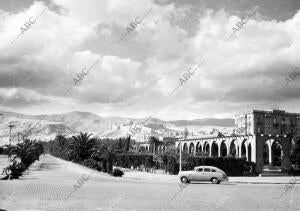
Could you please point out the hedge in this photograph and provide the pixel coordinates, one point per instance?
(231, 166)
(128, 160)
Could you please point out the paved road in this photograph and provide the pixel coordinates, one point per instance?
(48, 182)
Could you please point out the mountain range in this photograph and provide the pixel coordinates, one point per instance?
(46, 127)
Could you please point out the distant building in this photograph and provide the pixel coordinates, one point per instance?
(263, 137)
(276, 122)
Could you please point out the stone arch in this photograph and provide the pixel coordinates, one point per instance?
(244, 149)
(206, 148)
(214, 149)
(191, 148)
(178, 148)
(233, 149)
(164, 148)
(185, 148)
(198, 147)
(223, 149)
(277, 153)
(266, 153)
(249, 158)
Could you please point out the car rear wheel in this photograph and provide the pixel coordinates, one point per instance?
(214, 180)
(184, 180)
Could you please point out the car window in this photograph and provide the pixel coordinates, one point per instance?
(213, 170)
(200, 169)
(206, 170)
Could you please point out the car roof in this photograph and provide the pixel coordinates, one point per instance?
(212, 167)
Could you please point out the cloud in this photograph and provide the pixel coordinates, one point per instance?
(134, 77)
(17, 98)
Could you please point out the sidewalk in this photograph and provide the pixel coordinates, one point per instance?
(165, 178)
(266, 180)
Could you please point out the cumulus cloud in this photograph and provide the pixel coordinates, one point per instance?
(135, 77)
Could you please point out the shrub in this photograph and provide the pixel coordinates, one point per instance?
(93, 164)
(117, 172)
(14, 170)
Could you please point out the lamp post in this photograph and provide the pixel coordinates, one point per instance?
(10, 127)
(185, 134)
(180, 165)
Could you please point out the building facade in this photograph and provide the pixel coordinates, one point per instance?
(263, 137)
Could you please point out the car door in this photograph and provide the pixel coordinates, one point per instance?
(206, 174)
(198, 176)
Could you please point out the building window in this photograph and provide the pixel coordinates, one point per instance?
(259, 121)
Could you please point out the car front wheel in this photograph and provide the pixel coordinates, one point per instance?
(184, 180)
(214, 180)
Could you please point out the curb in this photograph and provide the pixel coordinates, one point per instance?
(266, 183)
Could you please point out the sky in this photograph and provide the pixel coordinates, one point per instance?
(135, 76)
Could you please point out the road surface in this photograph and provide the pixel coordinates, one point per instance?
(48, 182)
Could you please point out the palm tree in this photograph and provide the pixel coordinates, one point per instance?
(28, 152)
(80, 147)
(60, 146)
(105, 152)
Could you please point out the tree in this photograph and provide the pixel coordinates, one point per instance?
(23, 155)
(127, 144)
(104, 151)
(80, 146)
(154, 142)
(27, 152)
(59, 147)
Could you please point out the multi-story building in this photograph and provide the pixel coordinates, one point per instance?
(274, 122)
(263, 137)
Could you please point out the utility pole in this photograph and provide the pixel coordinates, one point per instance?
(10, 127)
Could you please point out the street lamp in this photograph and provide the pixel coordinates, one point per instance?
(186, 133)
(10, 127)
(180, 156)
